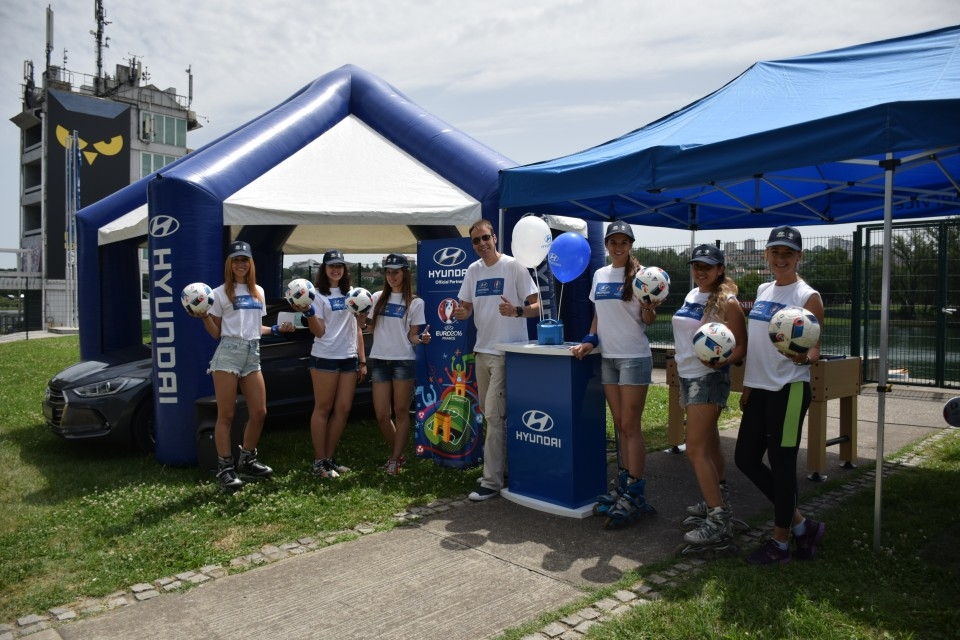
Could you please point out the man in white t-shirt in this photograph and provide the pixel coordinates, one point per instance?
(502, 294)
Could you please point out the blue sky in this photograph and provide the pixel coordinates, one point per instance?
(533, 80)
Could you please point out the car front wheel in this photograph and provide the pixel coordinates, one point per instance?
(142, 426)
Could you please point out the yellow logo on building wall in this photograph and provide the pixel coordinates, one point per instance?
(110, 147)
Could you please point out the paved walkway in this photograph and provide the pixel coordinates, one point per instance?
(35, 335)
(460, 570)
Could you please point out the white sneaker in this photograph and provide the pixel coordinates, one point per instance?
(483, 493)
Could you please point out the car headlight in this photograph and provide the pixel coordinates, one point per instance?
(107, 387)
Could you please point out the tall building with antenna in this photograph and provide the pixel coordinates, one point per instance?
(83, 137)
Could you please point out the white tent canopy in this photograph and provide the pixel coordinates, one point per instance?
(349, 188)
(129, 225)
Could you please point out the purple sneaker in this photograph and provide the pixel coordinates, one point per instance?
(807, 543)
(769, 553)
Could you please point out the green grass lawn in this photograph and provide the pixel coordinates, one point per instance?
(83, 519)
(906, 590)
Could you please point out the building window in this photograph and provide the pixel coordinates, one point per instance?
(156, 127)
(150, 162)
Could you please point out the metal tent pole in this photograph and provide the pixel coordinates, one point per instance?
(888, 165)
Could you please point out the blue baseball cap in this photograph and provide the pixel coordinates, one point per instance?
(785, 237)
(619, 227)
(333, 256)
(396, 261)
(707, 254)
(239, 248)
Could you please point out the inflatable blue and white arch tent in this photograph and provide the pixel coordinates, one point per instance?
(346, 154)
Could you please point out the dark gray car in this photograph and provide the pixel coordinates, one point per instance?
(110, 398)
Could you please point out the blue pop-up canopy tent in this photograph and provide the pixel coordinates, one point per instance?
(852, 135)
(797, 141)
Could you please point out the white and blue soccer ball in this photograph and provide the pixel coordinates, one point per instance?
(652, 284)
(197, 297)
(794, 330)
(358, 300)
(714, 343)
(300, 293)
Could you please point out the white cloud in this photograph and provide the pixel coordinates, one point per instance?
(533, 79)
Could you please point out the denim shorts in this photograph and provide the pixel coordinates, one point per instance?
(333, 365)
(237, 356)
(387, 370)
(629, 371)
(713, 388)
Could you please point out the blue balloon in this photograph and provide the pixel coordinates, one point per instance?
(568, 256)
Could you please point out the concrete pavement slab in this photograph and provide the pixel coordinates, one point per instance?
(401, 584)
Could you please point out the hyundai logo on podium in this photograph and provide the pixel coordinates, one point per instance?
(539, 422)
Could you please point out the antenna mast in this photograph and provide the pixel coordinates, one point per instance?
(102, 43)
(49, 35)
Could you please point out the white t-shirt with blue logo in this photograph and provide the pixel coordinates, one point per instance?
(766, 367)
(390, 332)
(242, 318)
(482, 287)
(339, 339)
(686, 321)
(621, 332)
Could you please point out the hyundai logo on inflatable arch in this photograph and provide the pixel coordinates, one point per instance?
(182, 249)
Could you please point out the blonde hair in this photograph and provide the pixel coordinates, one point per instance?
(723, 288)
(230, 285)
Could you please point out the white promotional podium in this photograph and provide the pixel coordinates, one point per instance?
(556, 429)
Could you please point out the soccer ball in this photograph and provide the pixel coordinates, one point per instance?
(358, 300)
(652, 284)
(196, 298)
(714, 342)
(951, 412)
(794, 330)
(300, 293)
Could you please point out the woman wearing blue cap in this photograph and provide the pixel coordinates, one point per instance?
(235, 320)
(704, 389)
(337, 362)
(619, 327)
(396, 319)
(775, 399)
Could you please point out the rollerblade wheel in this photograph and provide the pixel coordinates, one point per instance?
(739, 526)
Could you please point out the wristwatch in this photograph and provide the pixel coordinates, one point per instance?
(519, 312)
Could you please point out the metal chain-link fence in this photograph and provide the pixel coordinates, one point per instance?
(924, 337)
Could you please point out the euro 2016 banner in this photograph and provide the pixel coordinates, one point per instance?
(449, 424)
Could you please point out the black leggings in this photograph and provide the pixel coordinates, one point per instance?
(772, 423)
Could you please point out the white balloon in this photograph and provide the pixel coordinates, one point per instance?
(531, 241)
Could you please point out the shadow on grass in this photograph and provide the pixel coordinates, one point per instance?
(75, 468)
(907, 589)
(78, 469)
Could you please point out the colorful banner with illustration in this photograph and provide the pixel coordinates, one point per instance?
(449, 424)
